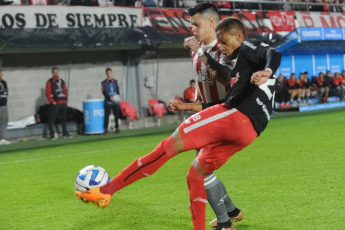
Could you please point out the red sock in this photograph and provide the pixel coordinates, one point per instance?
(198, 198)
(142, 167)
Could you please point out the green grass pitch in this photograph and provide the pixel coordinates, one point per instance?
(291, 177)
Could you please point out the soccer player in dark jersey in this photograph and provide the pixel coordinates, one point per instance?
(220, 129)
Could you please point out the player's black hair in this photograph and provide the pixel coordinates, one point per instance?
(305, 72)
(54, 68)
(201, 8)
(108, 69)
(192, 81)
(230, 23)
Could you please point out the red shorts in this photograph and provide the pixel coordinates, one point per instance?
(219, 132)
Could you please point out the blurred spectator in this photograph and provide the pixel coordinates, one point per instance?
(305, 86)
(173, 3)
(189, 93)
(282, 91)
(337, 86)
(332, 8)
(319, 7)
(328, 78)
(75, 115)
(84, 2)
(149, 3)
(3, 110)
(269, 6)
(294, 88)
(222, 4)
(342, 5)
(306, 7)
(4, 2)
(111, 92)
(321, 86)
(124, 2)
(57, 95)
(288, 6)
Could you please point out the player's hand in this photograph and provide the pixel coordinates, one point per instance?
(260, 77)
(176, 105)
(191, 43)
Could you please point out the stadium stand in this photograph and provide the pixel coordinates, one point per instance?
(146, 41)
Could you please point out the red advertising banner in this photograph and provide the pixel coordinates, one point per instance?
(282, 20)
(177, 21)
(321, 19)
(169, 20)
(253, 21)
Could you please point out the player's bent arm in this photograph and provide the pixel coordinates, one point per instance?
(206, 105)
(194, 107)
(272, 57)
(177, 105)
(222, 72)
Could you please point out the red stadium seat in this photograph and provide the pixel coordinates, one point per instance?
(156, 108)
(128, 110)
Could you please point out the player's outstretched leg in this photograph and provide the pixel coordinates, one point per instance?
(141, 167)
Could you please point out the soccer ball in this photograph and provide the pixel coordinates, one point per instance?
(90, 177)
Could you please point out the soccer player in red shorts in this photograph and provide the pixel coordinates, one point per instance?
(204, 19)
(221, 129)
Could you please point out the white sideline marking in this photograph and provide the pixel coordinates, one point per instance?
(46, 158)
(69, 155)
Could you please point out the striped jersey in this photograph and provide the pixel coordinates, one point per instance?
(208, 88)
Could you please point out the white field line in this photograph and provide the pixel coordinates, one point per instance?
(69, 155)
(46, 158)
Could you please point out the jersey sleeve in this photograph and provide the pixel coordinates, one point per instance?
(243, 78)
(222, 72)
(262, 53)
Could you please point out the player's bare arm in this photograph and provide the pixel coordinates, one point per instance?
(260, 77)
(191, 43)
(178, 105)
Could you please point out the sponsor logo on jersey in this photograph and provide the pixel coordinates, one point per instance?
(250, 45)
(205, 78)
(264, 108)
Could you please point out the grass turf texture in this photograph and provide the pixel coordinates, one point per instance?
(291, 177)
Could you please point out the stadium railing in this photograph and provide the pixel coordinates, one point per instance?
(234, 4)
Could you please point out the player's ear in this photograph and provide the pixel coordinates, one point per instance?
(212, 22)
(239, 35)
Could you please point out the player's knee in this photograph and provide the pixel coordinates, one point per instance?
(169, 147)
(193, 174)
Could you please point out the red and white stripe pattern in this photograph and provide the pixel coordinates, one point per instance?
(209, 89)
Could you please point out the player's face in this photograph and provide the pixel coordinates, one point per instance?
(201, 27)
(109, 74)
(192, 85)
(56, 73)
(229, 42)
